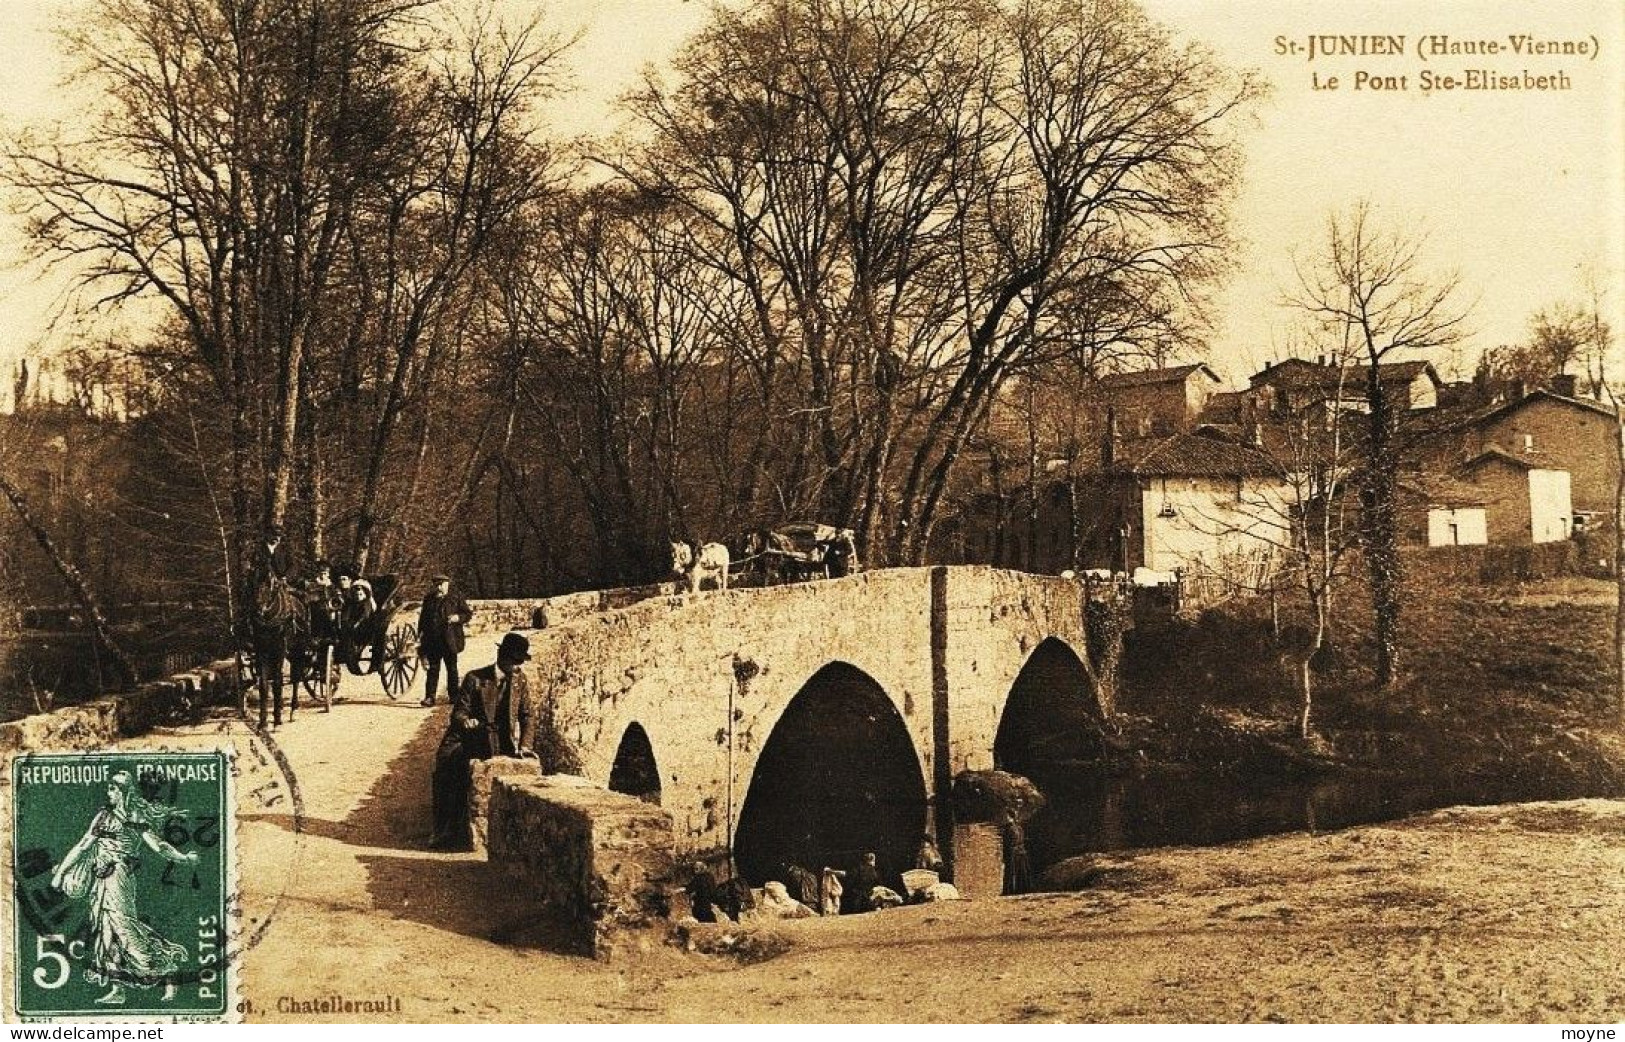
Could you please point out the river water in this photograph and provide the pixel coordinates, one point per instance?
(44, 670)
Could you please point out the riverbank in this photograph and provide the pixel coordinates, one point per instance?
(1503, 914)
(1486, 914)
(1507, 690)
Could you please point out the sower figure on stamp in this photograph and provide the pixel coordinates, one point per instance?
(125, 949)
(491, 715)
(440, 635)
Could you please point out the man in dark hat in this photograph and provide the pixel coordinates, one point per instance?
(273, 556)
(491, 715)
(440, 635)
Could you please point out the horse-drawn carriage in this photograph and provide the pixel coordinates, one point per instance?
(316, 630)
(767, 557)
(796, 552)
(373, 640)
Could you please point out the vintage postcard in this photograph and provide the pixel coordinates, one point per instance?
(802, 511)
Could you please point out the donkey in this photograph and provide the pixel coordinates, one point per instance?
(697, 563)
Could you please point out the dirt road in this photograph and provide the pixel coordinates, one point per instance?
(1489, 914)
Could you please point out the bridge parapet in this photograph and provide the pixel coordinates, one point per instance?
(598, 861)
(91, 725)
(707, 677)
(495, 615)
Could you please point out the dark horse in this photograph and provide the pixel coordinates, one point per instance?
(278, 620)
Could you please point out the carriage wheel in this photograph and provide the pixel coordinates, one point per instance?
(398, 663)
(320, 675)
(331, 666)
(303, 674)
(364, 657)
(246, 678)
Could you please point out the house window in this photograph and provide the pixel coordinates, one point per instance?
(1528, 443)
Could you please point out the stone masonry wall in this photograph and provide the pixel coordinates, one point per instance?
(535, 613)
(482, 776)
(596, 860)
(996, 619)
(708, 676)
(106, 720)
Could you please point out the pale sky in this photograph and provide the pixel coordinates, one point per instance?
(1518, 191)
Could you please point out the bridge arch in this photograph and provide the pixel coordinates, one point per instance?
(837, 777)
(1050, 715)
(635, 771)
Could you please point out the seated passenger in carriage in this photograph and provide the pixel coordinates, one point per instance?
(359, 607)
(324, 600)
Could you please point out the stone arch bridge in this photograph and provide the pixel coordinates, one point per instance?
(812, 721)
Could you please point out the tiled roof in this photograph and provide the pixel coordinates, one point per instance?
(1145, 377)
(1443, 491)
(1528, 460)
(1194, 455)
(1543, 395)
(1300, 372)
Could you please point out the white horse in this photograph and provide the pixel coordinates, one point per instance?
(697, 563)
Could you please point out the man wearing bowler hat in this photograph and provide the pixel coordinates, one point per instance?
(491, 715)
(440, 635)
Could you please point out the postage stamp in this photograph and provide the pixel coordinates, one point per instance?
(122, 874)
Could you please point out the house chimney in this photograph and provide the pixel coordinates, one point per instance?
(1516, 390)
(1564, 384)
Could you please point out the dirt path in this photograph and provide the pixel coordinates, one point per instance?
(1491, 914)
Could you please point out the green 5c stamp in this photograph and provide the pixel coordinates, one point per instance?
(121, 876)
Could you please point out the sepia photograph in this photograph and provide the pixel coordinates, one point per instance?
(812, 512)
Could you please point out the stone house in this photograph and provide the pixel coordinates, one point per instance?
(1201, 504)
(1527, 497)
(1294, 385)
(1158, 402)
(1194, 502)
(1555, 432)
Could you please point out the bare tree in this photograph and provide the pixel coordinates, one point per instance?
(218, 178)
(1369, 287)
(1595, 342)
(1560, 342)
(73, 580)
(309, 188)
(923, 197)
(1309, 521)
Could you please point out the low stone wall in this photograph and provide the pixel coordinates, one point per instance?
(95, 724)
(599, 862)
(537, 613)
(483, 774)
